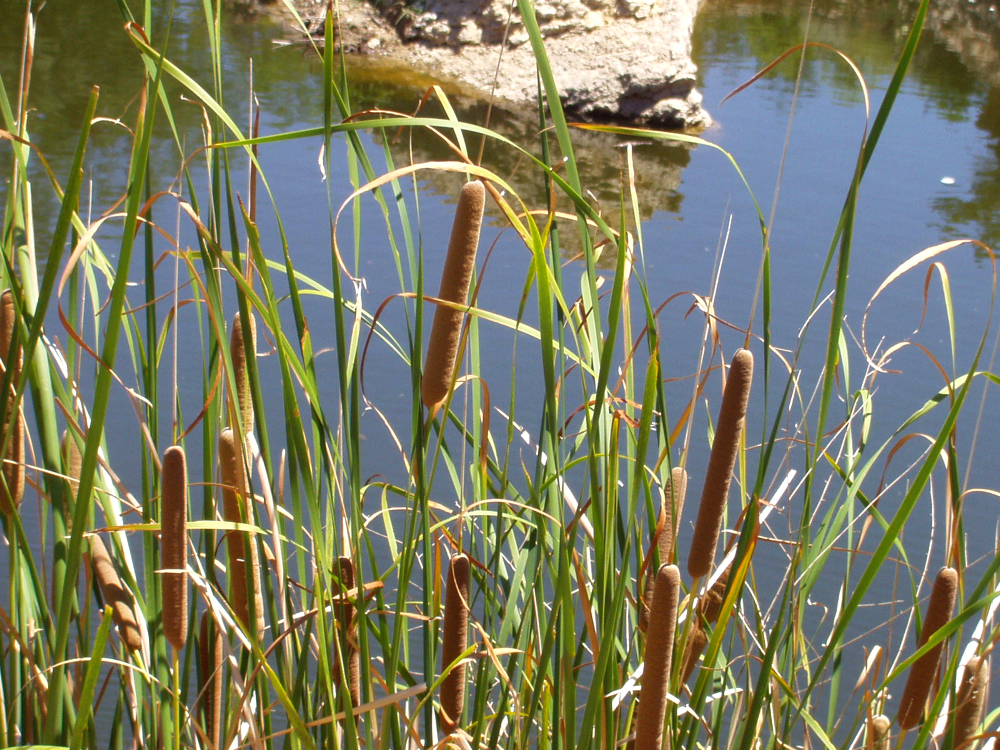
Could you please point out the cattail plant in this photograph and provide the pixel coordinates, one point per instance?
(877, 734)
(659, 651)
(243, 400)
(72, 461)
(721, 461)
(969, 700)
(442, 351)
(923, 671)
(455, 630)
(210, 682)
(709, 609)
(114, 593)
(670, 516)
(241, 550)
(11, 357)
(347, 627)
(173, 543)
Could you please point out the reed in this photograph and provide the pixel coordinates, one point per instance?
(209, 677)
(11, 357)
(455, 636)
(114, 594)
(657, 657)
(969, 701)
(924, 670)
(242, 551)
(173, 545)
(721, 461)
(241, 374)
(877, 736)
(456, 277)
(347, 633)
(671, 507)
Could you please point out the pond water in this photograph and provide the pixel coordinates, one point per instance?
(935, 177)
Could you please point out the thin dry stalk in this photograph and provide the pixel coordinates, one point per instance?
(722, 459)
(173, 545)
(347, 628)
(12, 487)
(670, 515)
(877, 736)
(923, 671)
(244, 400)
(970, 700)
(659, 651)
(455, 631)
(239, 547)
(114, 594)
(210, 679)
(456, 277)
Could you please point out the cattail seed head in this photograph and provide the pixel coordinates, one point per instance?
(923, 670)
(210, 684)
(659, 651)
(240, 548)
(877, 736)
(969, 700)
(173, 545)
(114, 594)
(711, 603)
(456, 277)
(348, 628)
(241, 374)
(696, 642)
(455, 632)
(670, 515)
(721, 461)
(72, 461)
(12, 488)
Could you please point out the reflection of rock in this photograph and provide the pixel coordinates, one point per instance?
(613, 59)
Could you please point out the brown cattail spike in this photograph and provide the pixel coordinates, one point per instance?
(72, 461)
(670, 516)
(348, 629)
(239, 546)
(114, 594)
(456, 626)
(12, 486)
(696, 642)
(877, 737)
(173, 545)
(241, 374)
(721, 461)
(923, 670)
(711, 604)
(659, 650)
(969, 701)
(210, 685)
(442, 351)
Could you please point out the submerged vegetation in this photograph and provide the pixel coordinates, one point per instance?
(512, 581)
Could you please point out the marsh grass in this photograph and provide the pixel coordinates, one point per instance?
(299, 562)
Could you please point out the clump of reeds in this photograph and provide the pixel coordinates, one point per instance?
(709, 609)
(670, 515)
(210, 683)
(173, 545)
(241, 550)
(969, 700)
(244, 399)
(114, 594)
(877, 736)
(456, 277)
(659, 651)
(455, 632)
(721, 461)
(347, 626)
(923, 671)
(11, 357)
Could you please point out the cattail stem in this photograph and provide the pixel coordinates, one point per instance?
(11, 358)
(114, 593)
(210, 685)
(456, 277)
(241, 549)
(659, 651)
(241, 373)
(923, 670)
(670, 515)
(455, 631)
(347, 634)
(969, 701)
(173, 544)
(721, 461)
